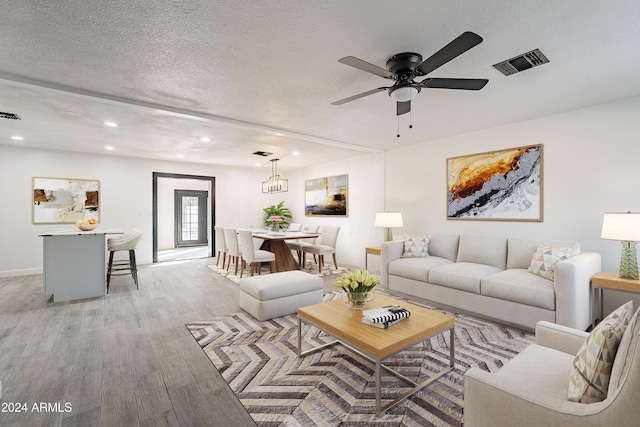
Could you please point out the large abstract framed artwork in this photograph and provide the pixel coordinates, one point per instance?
(326, 196)
(501, 185)
(65, 200)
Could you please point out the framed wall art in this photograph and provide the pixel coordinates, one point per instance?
(503, 185)
(326, 196)
(65, 200)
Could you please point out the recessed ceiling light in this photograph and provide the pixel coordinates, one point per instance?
(205, 139)
(17, 138)
(258, 164)
(296, 153)
(180, 156)
(109, 147)
(111, 124)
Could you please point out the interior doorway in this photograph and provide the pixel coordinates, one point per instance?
(188, 237)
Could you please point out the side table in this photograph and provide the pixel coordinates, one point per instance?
(373, 250)
(612, 282)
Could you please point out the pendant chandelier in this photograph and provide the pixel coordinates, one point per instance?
(275, 184)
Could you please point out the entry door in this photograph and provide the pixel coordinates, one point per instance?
(190, 218)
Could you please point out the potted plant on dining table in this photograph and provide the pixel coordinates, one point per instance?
(276, 216)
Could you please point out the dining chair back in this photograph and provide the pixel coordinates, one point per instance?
(250, 255)
(233, 249)
(294, 226)
(221, 244)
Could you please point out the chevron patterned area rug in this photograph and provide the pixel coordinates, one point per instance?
(335, 386)
(310, 267)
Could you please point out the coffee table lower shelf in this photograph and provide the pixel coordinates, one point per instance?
(380, 409)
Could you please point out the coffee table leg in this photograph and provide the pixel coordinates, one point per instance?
(378, 386)
(452, 350)
(299, 337)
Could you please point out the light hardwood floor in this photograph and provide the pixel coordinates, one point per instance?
(123, 360)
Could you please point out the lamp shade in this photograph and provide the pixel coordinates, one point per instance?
(623, 226)
(388, 219)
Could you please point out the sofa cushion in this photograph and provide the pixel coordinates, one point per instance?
(591, 368)
(518, 285)
(444, 245)
(416, 247)
(536, 374)
(545, 258)
(416, 268)
(520, 252)
(465, 276)
(483, 250)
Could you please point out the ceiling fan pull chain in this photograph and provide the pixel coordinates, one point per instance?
(410, 120)
(398, 135)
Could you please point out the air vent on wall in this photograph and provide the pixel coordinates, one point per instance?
(10, 116)
(521, 62)
(262, 153)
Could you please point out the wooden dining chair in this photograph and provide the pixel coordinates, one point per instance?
(251, 256)
(328, 239)
(221, 245)
(297, 244)
(233, 249)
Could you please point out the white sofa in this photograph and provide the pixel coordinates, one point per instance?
(489, 276)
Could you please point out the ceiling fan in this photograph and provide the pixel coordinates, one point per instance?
(403, 68)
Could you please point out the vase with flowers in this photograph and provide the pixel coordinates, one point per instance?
(275, 222)
(357, 287)
(279, 211)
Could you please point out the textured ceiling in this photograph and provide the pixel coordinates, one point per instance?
(261, 75)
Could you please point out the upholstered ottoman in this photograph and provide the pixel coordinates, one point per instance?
(279, 294)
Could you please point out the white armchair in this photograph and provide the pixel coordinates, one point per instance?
(531, 389)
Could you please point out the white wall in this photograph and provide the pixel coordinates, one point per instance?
(590, 166)
(125, 197)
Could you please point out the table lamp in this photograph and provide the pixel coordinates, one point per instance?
(388, 220)
(625, 227)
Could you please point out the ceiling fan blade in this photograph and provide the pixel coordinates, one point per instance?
(358, 96)
(465, 84)
(354, 62)
(403, 108)
(458, 46)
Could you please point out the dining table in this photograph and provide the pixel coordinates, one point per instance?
(275, 242)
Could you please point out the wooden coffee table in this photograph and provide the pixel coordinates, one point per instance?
(345, 324)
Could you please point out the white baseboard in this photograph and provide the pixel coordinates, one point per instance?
(25, 272)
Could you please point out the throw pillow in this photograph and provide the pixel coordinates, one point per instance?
(591, 368)
(416, 247)
(545, 259)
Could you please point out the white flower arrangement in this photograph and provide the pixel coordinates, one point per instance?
(357, 281)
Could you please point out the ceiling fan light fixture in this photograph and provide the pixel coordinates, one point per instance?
(403, 94)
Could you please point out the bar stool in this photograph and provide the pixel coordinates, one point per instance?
(126, 242)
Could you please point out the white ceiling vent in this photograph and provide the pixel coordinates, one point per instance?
(521, 62)
(10, 116)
